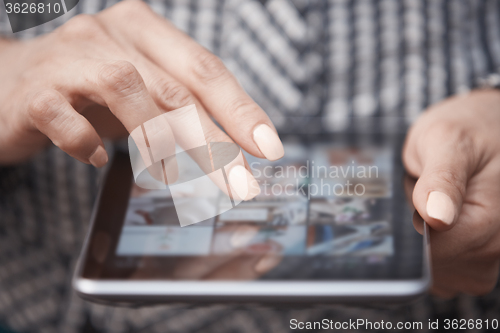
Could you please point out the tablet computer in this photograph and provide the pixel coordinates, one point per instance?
(331, 224)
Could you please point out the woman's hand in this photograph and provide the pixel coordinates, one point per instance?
(126, 60)
(454, 151)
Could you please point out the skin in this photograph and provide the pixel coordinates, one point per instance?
(104, 75)
(454, 148)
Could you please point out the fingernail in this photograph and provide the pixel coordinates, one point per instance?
(268, 142)
(440, 207)
(99, 158)
(243, 183)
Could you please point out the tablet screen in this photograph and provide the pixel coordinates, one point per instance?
(333, 201)
(325, 211)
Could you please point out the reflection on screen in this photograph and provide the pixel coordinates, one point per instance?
(332, 201)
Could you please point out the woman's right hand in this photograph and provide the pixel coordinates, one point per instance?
(131, 62)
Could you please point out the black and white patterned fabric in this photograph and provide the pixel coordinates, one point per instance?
(312, 65)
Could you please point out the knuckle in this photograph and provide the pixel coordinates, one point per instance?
(453, 179)
(242, 108)
(130, 8)
(134, 5)
(460, 135)
(466, 146)
(172, 95)
(454, 131)
(215, 134)
(444, 128)
(208, 68)
(76, 140)
(447, 126)
(81, 27)
(41, 107)
(120, 76)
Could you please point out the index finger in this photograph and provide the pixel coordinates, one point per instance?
(120, 87)
(202, 73)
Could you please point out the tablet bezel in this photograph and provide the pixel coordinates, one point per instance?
(258, 290)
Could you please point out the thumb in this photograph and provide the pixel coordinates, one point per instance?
(445, 166)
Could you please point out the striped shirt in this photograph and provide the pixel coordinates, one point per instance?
(312, 65)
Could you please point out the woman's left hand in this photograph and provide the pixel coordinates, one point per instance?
(454, 151)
